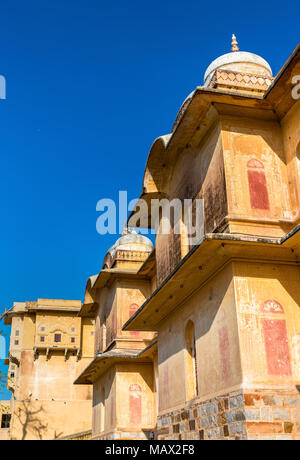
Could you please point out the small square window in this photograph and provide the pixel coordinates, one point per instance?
(72, 339)
(73, 329)
(17, 333)
(57, 338)
(12, 375)
(42, 338)
(5, 420)
(16, 342)
(42, 329)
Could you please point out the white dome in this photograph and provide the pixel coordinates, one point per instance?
(131, 242)
(240, 61)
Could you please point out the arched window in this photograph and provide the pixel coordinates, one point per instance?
(191, 361)
(102, 411)
(259, 196)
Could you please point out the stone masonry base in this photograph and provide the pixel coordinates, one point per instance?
(239, 415)
(124, 435)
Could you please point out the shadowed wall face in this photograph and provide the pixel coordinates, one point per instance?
(212, 312)
(198, 173)
(191, 361)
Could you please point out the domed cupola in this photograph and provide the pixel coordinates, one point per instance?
(128, 251)
(239, 71)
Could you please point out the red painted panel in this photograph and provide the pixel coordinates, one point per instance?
(258, 190)
(277, 347)
(135, 404)
(225, 353)
(132, 309)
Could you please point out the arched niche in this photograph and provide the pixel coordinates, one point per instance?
(191, 361)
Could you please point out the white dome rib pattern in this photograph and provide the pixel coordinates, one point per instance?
(241, 57)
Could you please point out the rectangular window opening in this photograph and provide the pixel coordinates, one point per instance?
(5, 421)
(57, 338)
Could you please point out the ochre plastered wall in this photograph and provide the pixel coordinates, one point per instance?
(135, 397)
(291, 138)
(104, 404)
(67, 325)
(45, 403)
(4, 434)
(117, 303)
(247, 323)
(106, 318)
(129, 397)
(47, 386)
(131, 295)
(49, 420)
(256, 176)
(100, 316)
(246, 170)
(17, 325)
(4, 409)
(124, 396)
(87, 337)
(212, 310)
(246, 316)
(49, 379)
(268, 301)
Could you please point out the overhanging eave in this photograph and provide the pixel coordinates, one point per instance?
(103, 361)
(202, 262)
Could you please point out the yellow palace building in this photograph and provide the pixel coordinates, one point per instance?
(190, 341)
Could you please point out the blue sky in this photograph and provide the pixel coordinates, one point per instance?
(90, 85)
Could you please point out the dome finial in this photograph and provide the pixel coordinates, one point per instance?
(126, 231)
(234, 44)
